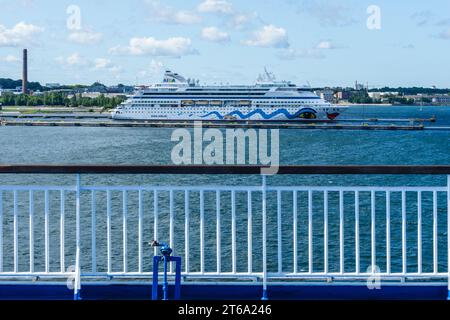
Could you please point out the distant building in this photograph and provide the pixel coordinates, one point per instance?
(52, 85)
(326, 94)
(359, 86)
(418, 98)
(343, 95)
(120, 89)
(383, 93)
(97, 89)
(97, 94)
(441, 99)
(17, 90)
(375, 95)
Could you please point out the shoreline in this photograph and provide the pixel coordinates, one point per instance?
(388, 105)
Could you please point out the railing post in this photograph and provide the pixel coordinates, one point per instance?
(16, 236)
(46, 231)
(1, 231)
(264, 236)
(31, 231)
(448, 236)
(77, 286)
(93, 232)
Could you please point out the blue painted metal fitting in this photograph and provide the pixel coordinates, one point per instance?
(264, 296)
(166, 258)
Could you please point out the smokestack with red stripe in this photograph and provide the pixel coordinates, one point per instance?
(25, 72)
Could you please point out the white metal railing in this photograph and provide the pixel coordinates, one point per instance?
(255, 232)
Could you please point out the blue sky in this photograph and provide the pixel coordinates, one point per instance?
(321, 42)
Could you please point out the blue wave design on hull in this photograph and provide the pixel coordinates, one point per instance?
(261, 113)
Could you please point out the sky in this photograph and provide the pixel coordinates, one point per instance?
(316, 42)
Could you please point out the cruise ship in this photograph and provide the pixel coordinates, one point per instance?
(177, 98)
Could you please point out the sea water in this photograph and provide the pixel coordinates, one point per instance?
(103, 145)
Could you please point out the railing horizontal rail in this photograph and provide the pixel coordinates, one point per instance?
(222, 169)
(223, 188)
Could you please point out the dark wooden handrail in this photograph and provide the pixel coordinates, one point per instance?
(221, 169)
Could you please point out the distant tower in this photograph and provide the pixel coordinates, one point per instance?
(25, 72)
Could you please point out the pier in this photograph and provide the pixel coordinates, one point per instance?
(245, 241)
(104, 120)
(208, 124)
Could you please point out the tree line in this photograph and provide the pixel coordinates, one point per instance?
(60, 99)
(412, 90)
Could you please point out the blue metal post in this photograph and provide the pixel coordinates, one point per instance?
(177, 261)
(155, 278)
(166, 258)
(165, 283)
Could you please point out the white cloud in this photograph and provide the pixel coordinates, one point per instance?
(19, 34)
(170, 15)
(173, 47)
(10, 58)
(241, 21)
(428, 18)
(216, 6)
(85, 37)
(317, 52)
(106, 64)
(102, 63)
(115, 69)
(327, 12)
(422, 18)
(154, 70)
(269, 36)
(214, 34)
(75, 59)
(325, 45)
(292, 54)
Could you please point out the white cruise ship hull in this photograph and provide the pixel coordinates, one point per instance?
(223, 114)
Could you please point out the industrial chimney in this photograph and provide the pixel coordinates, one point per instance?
(25, 72)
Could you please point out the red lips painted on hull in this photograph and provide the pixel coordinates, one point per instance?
(332, 116)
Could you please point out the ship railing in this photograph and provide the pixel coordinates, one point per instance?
(257, 231)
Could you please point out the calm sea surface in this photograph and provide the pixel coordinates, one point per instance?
(69, 145)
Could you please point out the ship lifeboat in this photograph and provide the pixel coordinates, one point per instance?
(187, 103)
